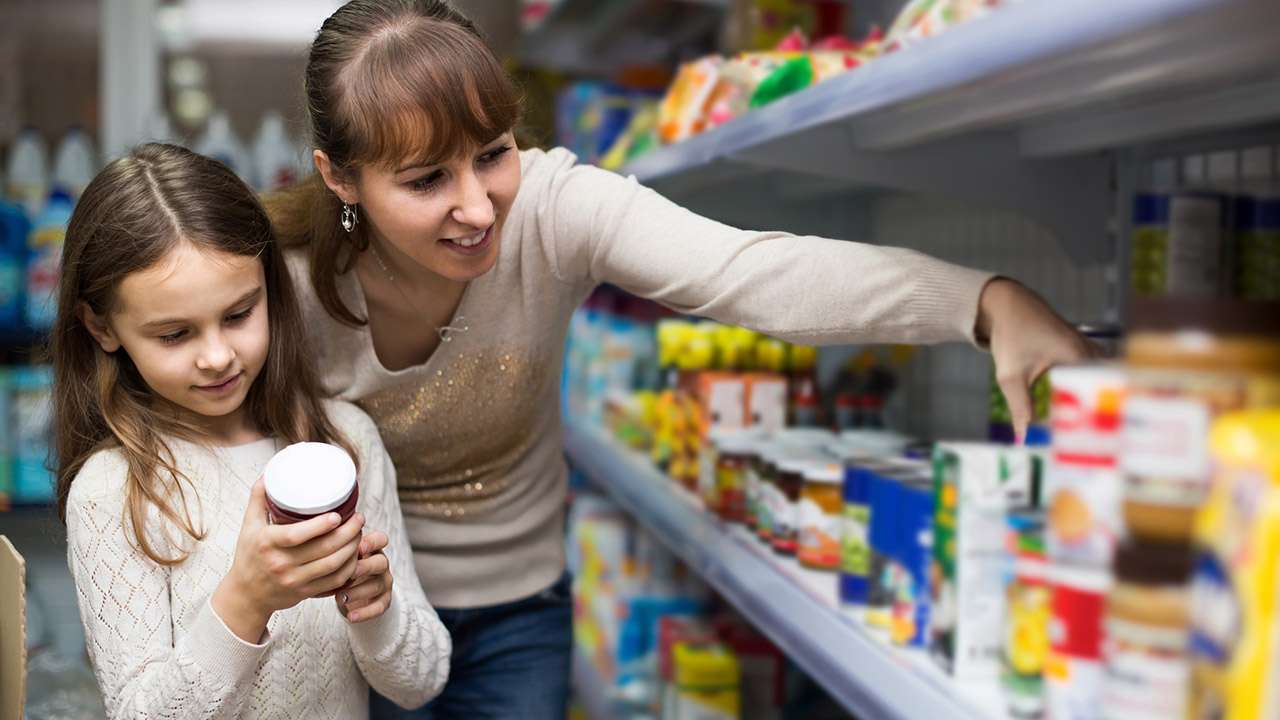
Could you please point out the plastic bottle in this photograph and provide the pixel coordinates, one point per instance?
(219, 142)
(75, 163)
(14, 228)
(32, 401)
(27, 174)
(44, 254)
(274, 154)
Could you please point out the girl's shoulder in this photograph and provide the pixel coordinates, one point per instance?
(355, 424)
(348, 417)
(102, 477)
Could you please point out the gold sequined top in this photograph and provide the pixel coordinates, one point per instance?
(475, 431)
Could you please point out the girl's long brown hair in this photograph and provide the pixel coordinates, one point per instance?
(387, 81)
(129, 218)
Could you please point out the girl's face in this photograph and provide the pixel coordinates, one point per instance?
(448, 217)
(195, 326)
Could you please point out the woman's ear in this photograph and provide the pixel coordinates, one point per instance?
(345, 191)
(98, 328)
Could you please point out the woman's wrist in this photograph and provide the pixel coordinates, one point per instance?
(995, 296)
(239, 612)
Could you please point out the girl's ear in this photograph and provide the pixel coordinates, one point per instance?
(345, 191)
(98, 328)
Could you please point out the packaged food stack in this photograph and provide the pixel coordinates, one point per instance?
(1083, 494)
(1190, 363)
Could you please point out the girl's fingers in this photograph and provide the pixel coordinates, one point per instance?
(374, 541)
(327, 583)
(329, 543)
(377, 564)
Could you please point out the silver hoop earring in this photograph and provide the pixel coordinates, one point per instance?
(349, 217)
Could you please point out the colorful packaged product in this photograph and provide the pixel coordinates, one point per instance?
(974, 486)
(1235, 639)
(1084, 486)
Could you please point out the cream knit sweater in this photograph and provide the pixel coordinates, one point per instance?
(475, 430)
(159, 650)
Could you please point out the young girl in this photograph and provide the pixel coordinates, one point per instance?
(439, 265)
(181, 368)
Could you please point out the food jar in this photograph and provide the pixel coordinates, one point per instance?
(308, 479)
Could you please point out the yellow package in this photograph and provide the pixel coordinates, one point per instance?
(707, 683)
(683, 110)
(1235, 638)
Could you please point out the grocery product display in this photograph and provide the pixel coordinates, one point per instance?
(1095, 576)
(752, 518)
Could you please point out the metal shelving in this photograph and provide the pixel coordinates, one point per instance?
(794, 607)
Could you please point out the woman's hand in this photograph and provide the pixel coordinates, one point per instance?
(368, 595)
(1026, 338)
(279, 566)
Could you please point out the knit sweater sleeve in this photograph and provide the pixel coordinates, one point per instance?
(600, 227)
(123, 597)
(404, 653)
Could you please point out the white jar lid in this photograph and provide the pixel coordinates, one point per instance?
(310, 478)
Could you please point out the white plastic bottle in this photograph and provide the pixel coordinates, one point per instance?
(75, 163)
(219, 142)
(274, 154)
(27, 173)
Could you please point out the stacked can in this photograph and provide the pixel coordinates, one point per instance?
(1084, 491)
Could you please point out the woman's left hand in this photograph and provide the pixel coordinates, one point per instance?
(368, 595)
(1026, 338)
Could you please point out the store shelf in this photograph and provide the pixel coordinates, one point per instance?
(794, 607)
(1007, 111)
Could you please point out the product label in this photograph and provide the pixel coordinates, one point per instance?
(1141, 687)
(725, 404)
(855, 552)
(1084, 518)
(819, 535)
(1166, 456)
(767, 404)
(1073, 688)
(1195, 247)
(1075, 626)
(1086, 415)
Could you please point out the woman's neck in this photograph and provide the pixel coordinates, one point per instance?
(408, 274)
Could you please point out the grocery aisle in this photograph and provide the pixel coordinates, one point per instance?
(760, 529)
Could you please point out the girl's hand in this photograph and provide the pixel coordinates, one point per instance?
(1027, 338)
(279, 566)
(368, 595)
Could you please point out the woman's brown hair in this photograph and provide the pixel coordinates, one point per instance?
(387, 81)
(133, 214)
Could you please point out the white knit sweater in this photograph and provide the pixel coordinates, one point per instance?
(160, 651)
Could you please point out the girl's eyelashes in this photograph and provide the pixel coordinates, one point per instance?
(239, 317)
(177, 336)
(173, 338)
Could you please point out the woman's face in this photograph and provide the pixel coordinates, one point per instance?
(448, 217)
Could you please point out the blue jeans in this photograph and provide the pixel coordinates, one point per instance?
(509, 661)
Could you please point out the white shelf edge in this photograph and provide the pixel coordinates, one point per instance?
(860, 671)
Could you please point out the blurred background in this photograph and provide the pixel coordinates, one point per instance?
(1102, 152)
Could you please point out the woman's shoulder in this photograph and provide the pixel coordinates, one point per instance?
(541, 167)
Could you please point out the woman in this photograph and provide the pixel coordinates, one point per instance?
(440, 267)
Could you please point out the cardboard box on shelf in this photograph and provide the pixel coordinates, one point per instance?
(13, 632)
